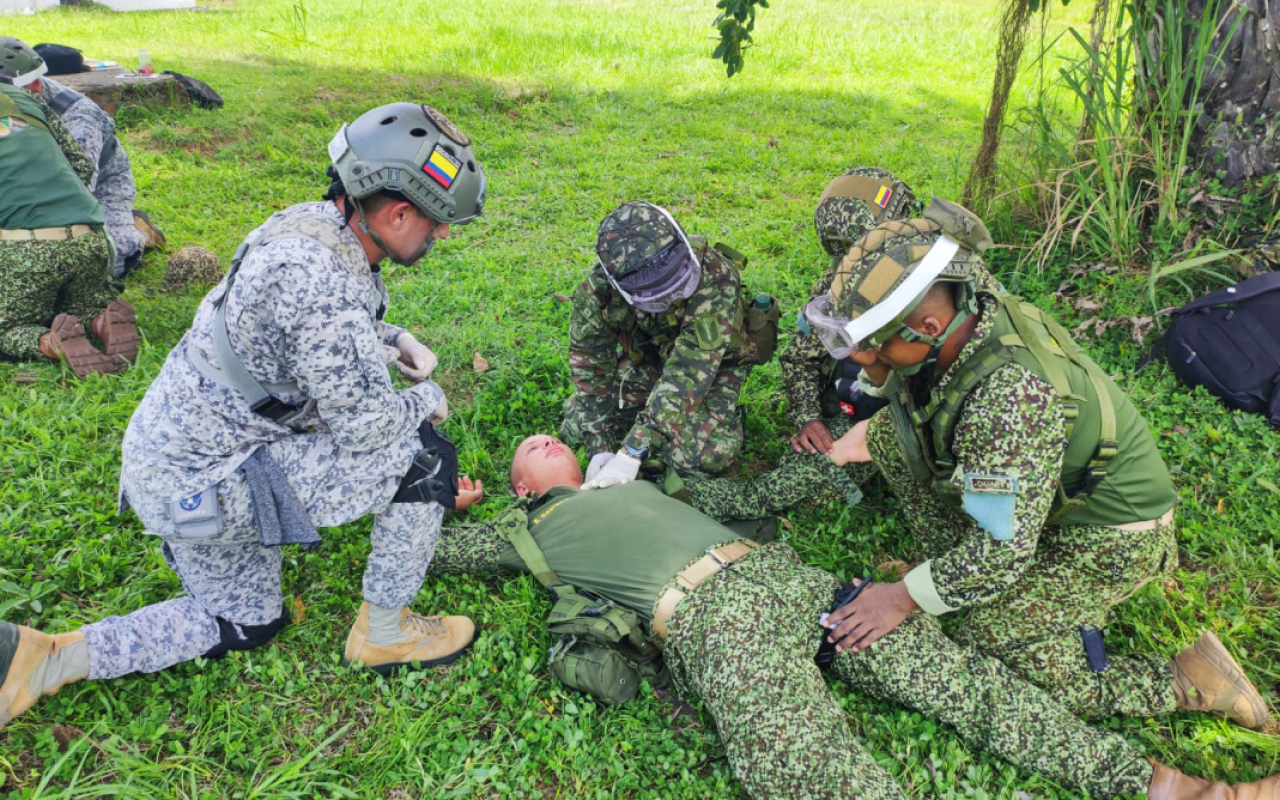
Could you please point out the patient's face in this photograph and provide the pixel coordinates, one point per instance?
(541, 462)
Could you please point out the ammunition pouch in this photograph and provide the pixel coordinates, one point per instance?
(601, 647)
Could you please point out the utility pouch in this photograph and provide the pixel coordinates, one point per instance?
(599, 670)
(198, 516)
(585, 615)
(762, 326)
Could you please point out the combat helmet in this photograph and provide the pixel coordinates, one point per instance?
(886, 274)
(647, 257)
(856, 202)
(19, 64)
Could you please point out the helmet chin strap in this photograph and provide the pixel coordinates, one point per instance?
(417, 255)
(935, 344)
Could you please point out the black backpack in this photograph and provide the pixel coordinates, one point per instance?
(1229, 343)
(61, 59)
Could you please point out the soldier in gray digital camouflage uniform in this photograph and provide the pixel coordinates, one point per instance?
(662, 338)
(739, 627)
(1031, 482)
(298, 325)
(111, 181)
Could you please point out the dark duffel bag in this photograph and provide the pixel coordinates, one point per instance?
(1229, 343)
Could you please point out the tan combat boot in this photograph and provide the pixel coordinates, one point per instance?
(117, 328)
(426, 641)
(66, 341)
(152, 237)
(1169, 784)
(1207, 678)
(34, 664)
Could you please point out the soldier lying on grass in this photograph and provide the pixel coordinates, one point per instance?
(738, 624)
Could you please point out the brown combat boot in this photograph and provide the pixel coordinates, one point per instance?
(426, 641)
(151, 235)
(66, 341)
(117, 329)
(1169, 784)
(1207, 678)
(33, 664)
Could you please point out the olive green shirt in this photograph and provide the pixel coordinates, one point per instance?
(624, 542)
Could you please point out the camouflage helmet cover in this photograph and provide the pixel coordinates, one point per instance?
(885, 258)
(417, 151)
(645, 255)
(856, 202)
(19, 64)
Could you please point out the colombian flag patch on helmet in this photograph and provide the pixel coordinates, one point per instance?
(882, 196)
(442, 167)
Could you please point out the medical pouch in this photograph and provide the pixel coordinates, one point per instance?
(601, 648)
(598, 670)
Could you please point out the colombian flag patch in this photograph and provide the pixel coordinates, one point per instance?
(882, 196)
(443, 167)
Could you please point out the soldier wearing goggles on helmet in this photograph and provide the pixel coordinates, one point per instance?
(1030, 480)
(689, 334)
(275, 414)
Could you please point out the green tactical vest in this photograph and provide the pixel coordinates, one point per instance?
(40, 188)
(653, 343)
(1112, 473)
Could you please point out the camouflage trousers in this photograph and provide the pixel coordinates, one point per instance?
(801, 480)
(1079, 574)
(237, 579)
(115, 192)
(705, 441)
(41, 279)
(744, 642)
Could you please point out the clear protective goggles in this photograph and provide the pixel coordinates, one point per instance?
(833, 331)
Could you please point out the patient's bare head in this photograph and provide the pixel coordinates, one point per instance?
(541, 462)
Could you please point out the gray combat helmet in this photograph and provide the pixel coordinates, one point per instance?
(416, 151)
(19, 64)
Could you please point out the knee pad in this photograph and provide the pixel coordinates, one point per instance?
(433, 475)
(246, 637)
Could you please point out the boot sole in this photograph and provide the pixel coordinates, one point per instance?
(120, 332)
(1220, 659)
(392, 666)
(75, 349)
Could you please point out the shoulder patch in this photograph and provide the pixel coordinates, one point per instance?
(991, 500)
(707, 329)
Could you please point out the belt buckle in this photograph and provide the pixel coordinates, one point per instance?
(716, 557)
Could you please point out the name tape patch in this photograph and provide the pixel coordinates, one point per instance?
(990, 484)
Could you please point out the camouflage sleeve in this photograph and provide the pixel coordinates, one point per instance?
(335, 351)
(689, 371)
(80, 163)
(802, 364)
(91, 131)
(1009, 446)
(593, 356)
(468, 549)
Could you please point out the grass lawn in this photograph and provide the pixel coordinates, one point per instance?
(575, 106)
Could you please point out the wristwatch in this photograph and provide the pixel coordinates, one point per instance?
(639, 454)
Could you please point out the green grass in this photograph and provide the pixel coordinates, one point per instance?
(575, 107)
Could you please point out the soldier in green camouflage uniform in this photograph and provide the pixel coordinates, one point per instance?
(54, 252)
(661, 340)
(1031, 482)
(743, 639)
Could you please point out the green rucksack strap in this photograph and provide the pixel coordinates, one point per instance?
(513, 525)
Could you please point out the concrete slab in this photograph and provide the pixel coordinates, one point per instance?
(25, 6)
(147, 5)
(111, 89)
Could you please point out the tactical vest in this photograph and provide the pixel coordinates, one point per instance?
(1112, 473)
(292, 223)
(755, 329)
(41, 190)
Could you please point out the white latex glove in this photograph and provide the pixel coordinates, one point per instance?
(621, 470)
(442, 411)
(416, 361)
(597, 463)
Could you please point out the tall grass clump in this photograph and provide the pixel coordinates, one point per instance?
(1108, 141)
